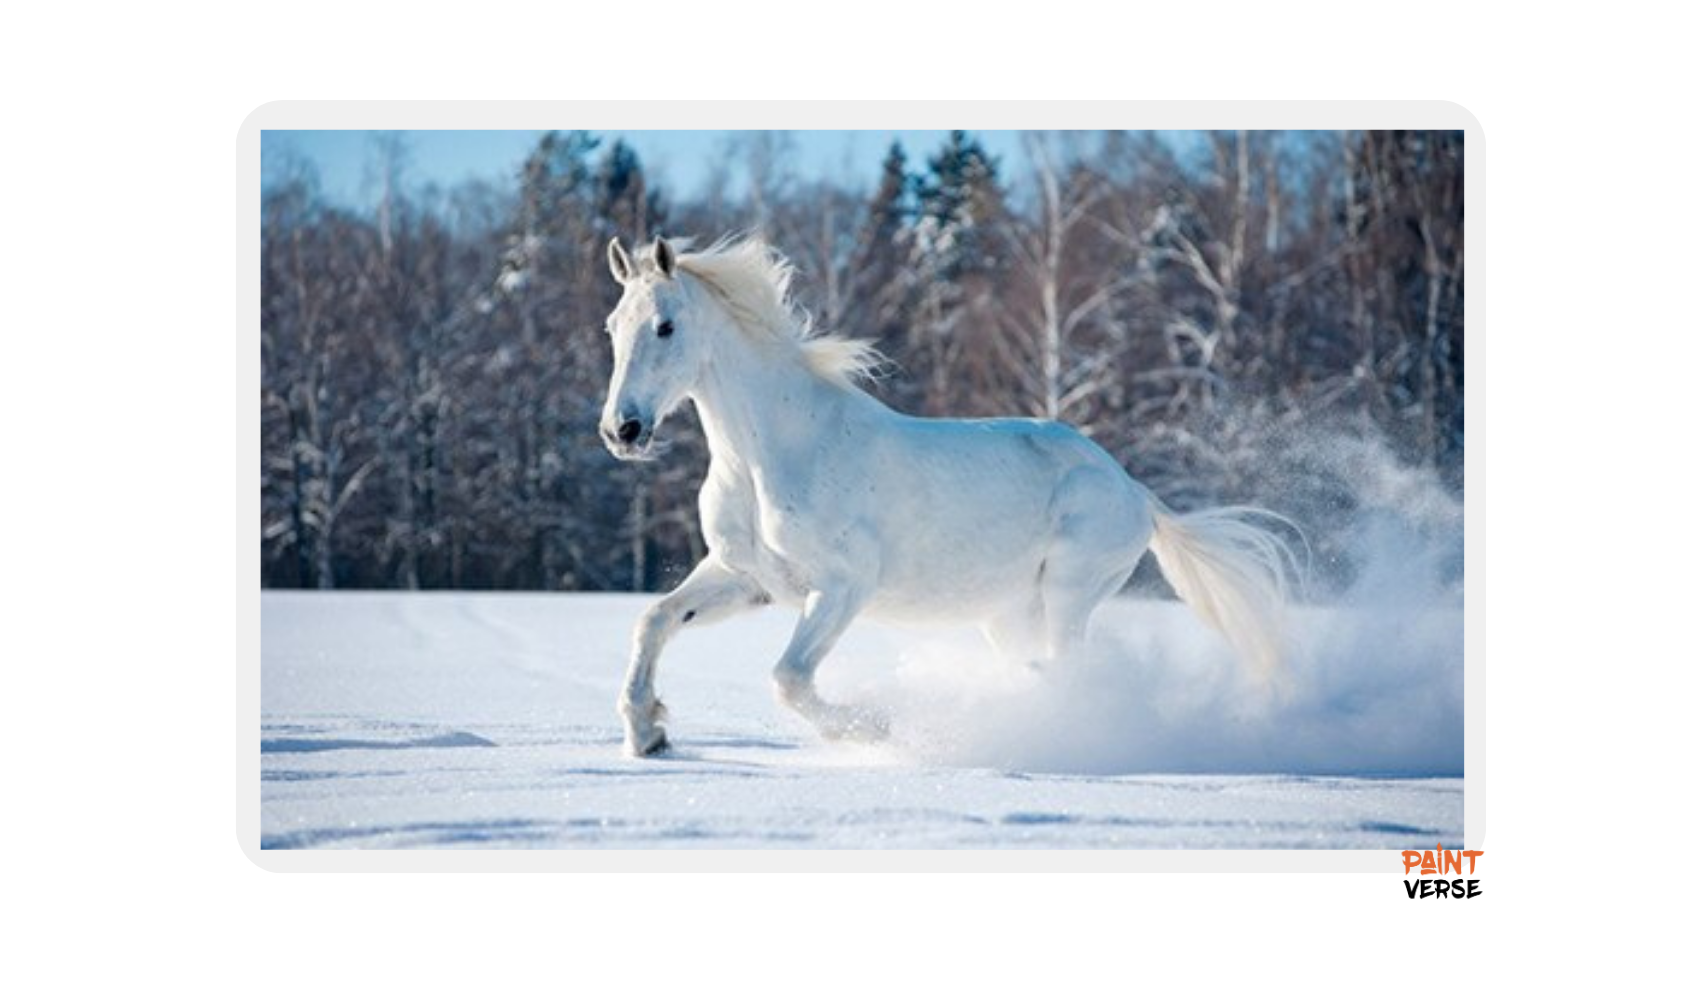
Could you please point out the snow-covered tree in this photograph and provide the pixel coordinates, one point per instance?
(433, 365)
(955, 262)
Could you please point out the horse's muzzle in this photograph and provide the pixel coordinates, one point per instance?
(629, 441)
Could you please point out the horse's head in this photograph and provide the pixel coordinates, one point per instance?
(660, 344)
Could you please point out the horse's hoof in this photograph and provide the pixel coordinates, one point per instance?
(865, 726)
(655, 746)
(873, 729)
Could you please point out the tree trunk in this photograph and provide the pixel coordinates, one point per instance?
(640, 536)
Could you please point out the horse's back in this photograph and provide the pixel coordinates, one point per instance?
(1024, 459)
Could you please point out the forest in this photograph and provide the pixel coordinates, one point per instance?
(434, 364)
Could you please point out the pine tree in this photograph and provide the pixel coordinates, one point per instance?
(959, 200)
(881, 293)
(627, 205)
(955, 262)
(890, 211)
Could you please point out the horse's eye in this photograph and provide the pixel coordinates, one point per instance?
(665, 329)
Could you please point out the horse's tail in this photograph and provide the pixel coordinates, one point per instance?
(1233, 574)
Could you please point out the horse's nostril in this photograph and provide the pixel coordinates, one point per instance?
(629, 431)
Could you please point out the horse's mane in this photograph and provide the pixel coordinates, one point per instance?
(753, 281)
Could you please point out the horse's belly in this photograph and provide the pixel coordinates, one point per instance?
(946, 577)
(961, 575)
(963, 600)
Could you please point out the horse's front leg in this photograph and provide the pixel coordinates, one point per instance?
(826, 614)
(712, 592)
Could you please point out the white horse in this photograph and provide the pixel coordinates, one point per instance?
(821, 497)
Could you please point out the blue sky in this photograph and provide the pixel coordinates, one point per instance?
(681, 159)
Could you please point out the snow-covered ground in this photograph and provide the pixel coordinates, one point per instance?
(443, 720)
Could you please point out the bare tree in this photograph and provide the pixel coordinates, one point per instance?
(433, 365)
(1070, 279)
(315, 467)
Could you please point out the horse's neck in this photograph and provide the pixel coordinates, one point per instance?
(759, 409)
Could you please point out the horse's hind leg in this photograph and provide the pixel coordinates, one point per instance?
(1071, 595)
(710, 593)
(1018, 632)
(1099, 538)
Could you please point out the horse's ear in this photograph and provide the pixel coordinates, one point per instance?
(664, 256)
(618, 262)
